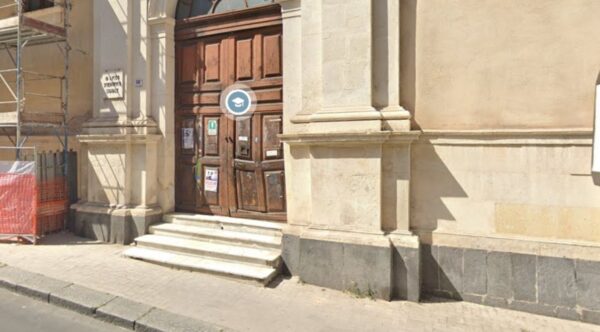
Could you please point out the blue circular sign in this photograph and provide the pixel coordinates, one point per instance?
(238, 102)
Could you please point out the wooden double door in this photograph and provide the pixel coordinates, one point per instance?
(230, 165)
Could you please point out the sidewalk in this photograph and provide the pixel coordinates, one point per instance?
(286, 306)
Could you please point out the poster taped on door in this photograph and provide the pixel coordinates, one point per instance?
(188, 138)
(211, 179)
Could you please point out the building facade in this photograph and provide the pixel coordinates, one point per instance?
(408, 147)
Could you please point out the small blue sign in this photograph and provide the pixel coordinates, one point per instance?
(238, 102)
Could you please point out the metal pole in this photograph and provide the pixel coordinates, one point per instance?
(65, 95)
(19, 78)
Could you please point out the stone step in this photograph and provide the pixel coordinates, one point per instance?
(225, 223)
(238, 253)
(217, 235)
(260, 274)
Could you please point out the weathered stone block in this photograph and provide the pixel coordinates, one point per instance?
(290, 253)
(524, 277)
(499, 275)
(112, 227)
(407, 273)
(556, 281)
(451, 269)
(369, 269)
(429, 268)
(361, 269)
(498, 302)
(478, 299)
(92, 226)
(591, 316)
(567, 313)
(588, 284)
(475, 272)
(120, 229)
(140, 224)
(322, 263)
(534, 308)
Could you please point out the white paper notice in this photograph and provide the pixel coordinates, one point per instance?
(187, 135)
(273, 153)
(596, 153)
(211, 179)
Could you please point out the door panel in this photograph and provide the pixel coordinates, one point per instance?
(212, 61)
(243, 63)
(275, 191)
(272, 55)
(235, 165)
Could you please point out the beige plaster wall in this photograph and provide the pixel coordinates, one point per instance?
(519, 187)
(471, 64)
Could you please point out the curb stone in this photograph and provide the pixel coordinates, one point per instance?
(122, 312)
(80, 299)
(103, 306)
(158, 320)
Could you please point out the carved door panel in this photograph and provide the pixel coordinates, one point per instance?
(201, 127)
(259, 186)
(230, 166)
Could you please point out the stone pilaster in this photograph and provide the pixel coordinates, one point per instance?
(120, 141)
(351, 139)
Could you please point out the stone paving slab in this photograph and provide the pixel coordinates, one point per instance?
(160, 320)
(122, 312)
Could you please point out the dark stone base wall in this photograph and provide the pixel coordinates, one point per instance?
(122, 229)
(557, 287)
(406, 263)
(370, 271)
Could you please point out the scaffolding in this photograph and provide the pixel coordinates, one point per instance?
(22, 32)
(27, 112)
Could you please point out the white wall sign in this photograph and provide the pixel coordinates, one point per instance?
(596, 153)
(112, 83)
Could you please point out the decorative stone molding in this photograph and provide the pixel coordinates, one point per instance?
(547, 137)
(316, 139)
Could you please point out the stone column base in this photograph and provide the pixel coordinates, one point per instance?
(112, 225)
(371, 265)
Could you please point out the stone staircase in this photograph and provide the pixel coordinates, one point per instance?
(244, 249)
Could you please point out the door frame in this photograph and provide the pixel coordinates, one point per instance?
(206, 26)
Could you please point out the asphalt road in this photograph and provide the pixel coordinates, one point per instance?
(22, 314)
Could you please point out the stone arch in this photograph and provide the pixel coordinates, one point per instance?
(162, 8)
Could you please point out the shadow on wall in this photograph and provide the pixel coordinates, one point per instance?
(431, 182)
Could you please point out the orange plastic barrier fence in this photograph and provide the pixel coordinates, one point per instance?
(52, 206)
(17, 208)
(35, 194)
